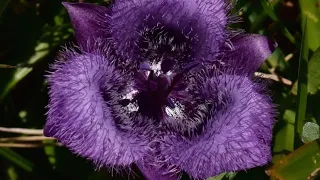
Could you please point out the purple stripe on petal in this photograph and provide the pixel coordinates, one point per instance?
(85, 113)
(237, 132)
(89, 22)
(250, 51)
(168, 30)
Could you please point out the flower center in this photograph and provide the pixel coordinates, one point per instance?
(154, 89)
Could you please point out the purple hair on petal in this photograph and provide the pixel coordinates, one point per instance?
(173, 32)
(236, 132)
(89, 22)
(85, 112)
(152, 170)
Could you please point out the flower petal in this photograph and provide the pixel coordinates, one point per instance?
(236, 134)
(174, 30)
(251, 50)
(89, 22)
(84, 112)
(152, 171)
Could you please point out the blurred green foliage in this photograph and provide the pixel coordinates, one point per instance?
(32, 32)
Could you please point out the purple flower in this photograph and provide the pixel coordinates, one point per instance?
(161, 84)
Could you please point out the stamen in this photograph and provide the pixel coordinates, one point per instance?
(155, 85)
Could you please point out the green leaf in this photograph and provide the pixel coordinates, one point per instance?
(284, 139)
(311, 13)
(16, 159)
(303, 163)
(231, 175)
(50, 152)
(3, 5)
(314, 73)
(224, 176)
(44, 40)
(218, 177)
(310, 132)
(268, 8)
(12, 173)
(277, 60)
(41, 50)
(302, 82)
(257, 18)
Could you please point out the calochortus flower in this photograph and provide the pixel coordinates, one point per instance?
(164, 85)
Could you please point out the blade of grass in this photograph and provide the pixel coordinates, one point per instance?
(268, 8)
(310, 11)
(16, 159)
(302, 81)
(313, 74)
(262, 16)
(284, 138)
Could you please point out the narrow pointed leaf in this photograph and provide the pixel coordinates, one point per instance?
(310, 12)
(16, 159)
(302, 82)
(219, 177)
(41, 50)
(313, 74)
(268, 8)
(284, 139)
(224, 176)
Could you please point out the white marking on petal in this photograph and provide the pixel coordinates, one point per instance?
(132, 106)
(176, 112)
(131, 94)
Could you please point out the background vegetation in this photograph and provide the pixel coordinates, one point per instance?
(32, 31)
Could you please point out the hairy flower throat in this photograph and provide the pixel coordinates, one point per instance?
(154, 89)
